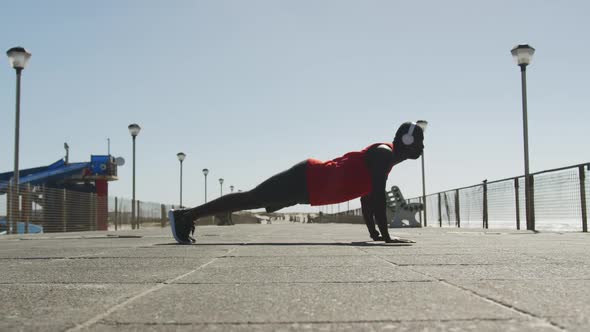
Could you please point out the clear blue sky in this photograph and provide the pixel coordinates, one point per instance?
(248, 88)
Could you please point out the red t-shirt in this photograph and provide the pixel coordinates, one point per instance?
(340, 179)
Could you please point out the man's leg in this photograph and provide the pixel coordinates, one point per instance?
(281, 190)
(227, 203)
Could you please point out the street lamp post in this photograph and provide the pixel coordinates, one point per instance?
(181, 157)
(220, 187)
(134, 129)
(523, 55)
(205, 172)
(231, 189)
(18, 58)
(423, 124)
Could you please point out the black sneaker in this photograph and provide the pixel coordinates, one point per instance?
(182, 229)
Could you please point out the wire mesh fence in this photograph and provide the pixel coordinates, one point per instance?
(37, 209)
(558, 201)
(34, 209)
(120, 214)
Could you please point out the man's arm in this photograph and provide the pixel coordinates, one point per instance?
(368, 216)
(379, 160)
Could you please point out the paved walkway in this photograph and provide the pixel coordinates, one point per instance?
(296, 277)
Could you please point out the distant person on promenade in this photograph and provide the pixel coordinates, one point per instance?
(356, 174)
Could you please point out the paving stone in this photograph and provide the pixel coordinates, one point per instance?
(467, 259)
(299, 261)
(258, 303)
(290, 274)
(431, 326)
(47, 307)
(296, 277)
(499, 272)
(100, 270)
(299, 249)
(546, 298)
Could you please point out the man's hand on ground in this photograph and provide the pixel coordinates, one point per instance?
(398, 240)
(391, 240)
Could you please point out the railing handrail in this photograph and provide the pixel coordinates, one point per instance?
(587, 164)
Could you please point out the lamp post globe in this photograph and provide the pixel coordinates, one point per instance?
(422, 124)
(220, 187)
(523, 54)
(134, 130)
(18, 58)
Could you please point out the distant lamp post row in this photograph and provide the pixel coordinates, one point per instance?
(523, 55)
(134, 130)
(18, 58)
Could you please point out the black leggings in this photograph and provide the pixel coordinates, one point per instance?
(279, 191)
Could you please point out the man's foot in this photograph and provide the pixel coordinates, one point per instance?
(182, 229)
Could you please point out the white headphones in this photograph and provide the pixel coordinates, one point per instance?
(408, 137)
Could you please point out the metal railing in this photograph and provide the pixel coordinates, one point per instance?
(559, 200)
(32, 208)
(148, 214)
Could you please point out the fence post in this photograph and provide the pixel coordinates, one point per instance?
(420, 214)
(28, 207)
(583, 199)
(116, 215)
(163, 215)
(13, 208)
(517, 203)
(532, 201)
(485, 204)
(439, 212)
(457, 208)
(8, 208)
(93, 211)
(64, 211)
(137, 214)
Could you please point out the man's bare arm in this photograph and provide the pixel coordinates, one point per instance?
(369, 218)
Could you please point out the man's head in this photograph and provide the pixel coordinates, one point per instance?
(409, 141)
